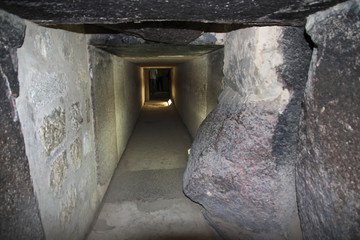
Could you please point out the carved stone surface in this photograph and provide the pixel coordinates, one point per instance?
(52, 132)
(19, 213)
(67, 205)
(76, 118)
(76, 153)
(46, 87)
(54, 86)
(58, 172)
(328, 173)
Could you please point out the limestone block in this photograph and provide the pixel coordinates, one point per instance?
(76, 118)
(45, 87)
(83, 79)
(44, 44)
(52, 131)
(88, 110)
(252, 71)
(328, 176)
(104, 101)
(94, 200)
(58, 172)
(67, 50)
(67, 205)
(76, 153)
(50, 108)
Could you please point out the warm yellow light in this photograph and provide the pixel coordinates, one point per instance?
(169, 102)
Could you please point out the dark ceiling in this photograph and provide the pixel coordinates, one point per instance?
(161, 31)
(247, 12)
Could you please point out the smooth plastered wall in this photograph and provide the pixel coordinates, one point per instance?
(129, 99)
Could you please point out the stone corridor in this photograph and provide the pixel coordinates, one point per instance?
(268, 93)
(145, 199)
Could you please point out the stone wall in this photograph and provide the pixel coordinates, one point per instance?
(242, 162)
(101, 68)
(129, 99)
(118, 96)
(19, 212)
(196, 87)
(328, 173)
(55, 111)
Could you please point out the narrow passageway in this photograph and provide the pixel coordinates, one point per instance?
(145, 198)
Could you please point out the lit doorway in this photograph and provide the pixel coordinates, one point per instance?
(160, 83)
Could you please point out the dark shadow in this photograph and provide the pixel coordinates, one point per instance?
(297, 56)
(125, 27)
(159, 84)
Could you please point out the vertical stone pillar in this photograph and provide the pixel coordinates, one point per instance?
(242, 162)
(328, 173)
(19, 213)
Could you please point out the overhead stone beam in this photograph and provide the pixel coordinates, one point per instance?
(249, 12)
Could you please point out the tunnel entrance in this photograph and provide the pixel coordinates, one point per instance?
(160, 84)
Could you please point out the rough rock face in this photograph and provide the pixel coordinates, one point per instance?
(123, 11)
(242, 162)
(19, 213)
(12, 31)
(166, 35)
(328, 174)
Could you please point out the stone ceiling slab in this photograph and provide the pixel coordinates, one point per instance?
(248, 12)
(144, 52)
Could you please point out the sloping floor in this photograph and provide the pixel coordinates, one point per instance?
(145, 198)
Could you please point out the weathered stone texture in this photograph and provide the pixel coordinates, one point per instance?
(328, 176)
(52, 131)
(19, 213)
(244, 187)
(241, 166)
(76, 153)
(88, 110)
(123, 11)
(58, 172)
(76, 118)
(105, 119)
(68, 204)
(166, 35)
(54, 87)
(46, 87)
(12, 31)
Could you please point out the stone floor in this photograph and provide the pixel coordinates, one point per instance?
(145, 198)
